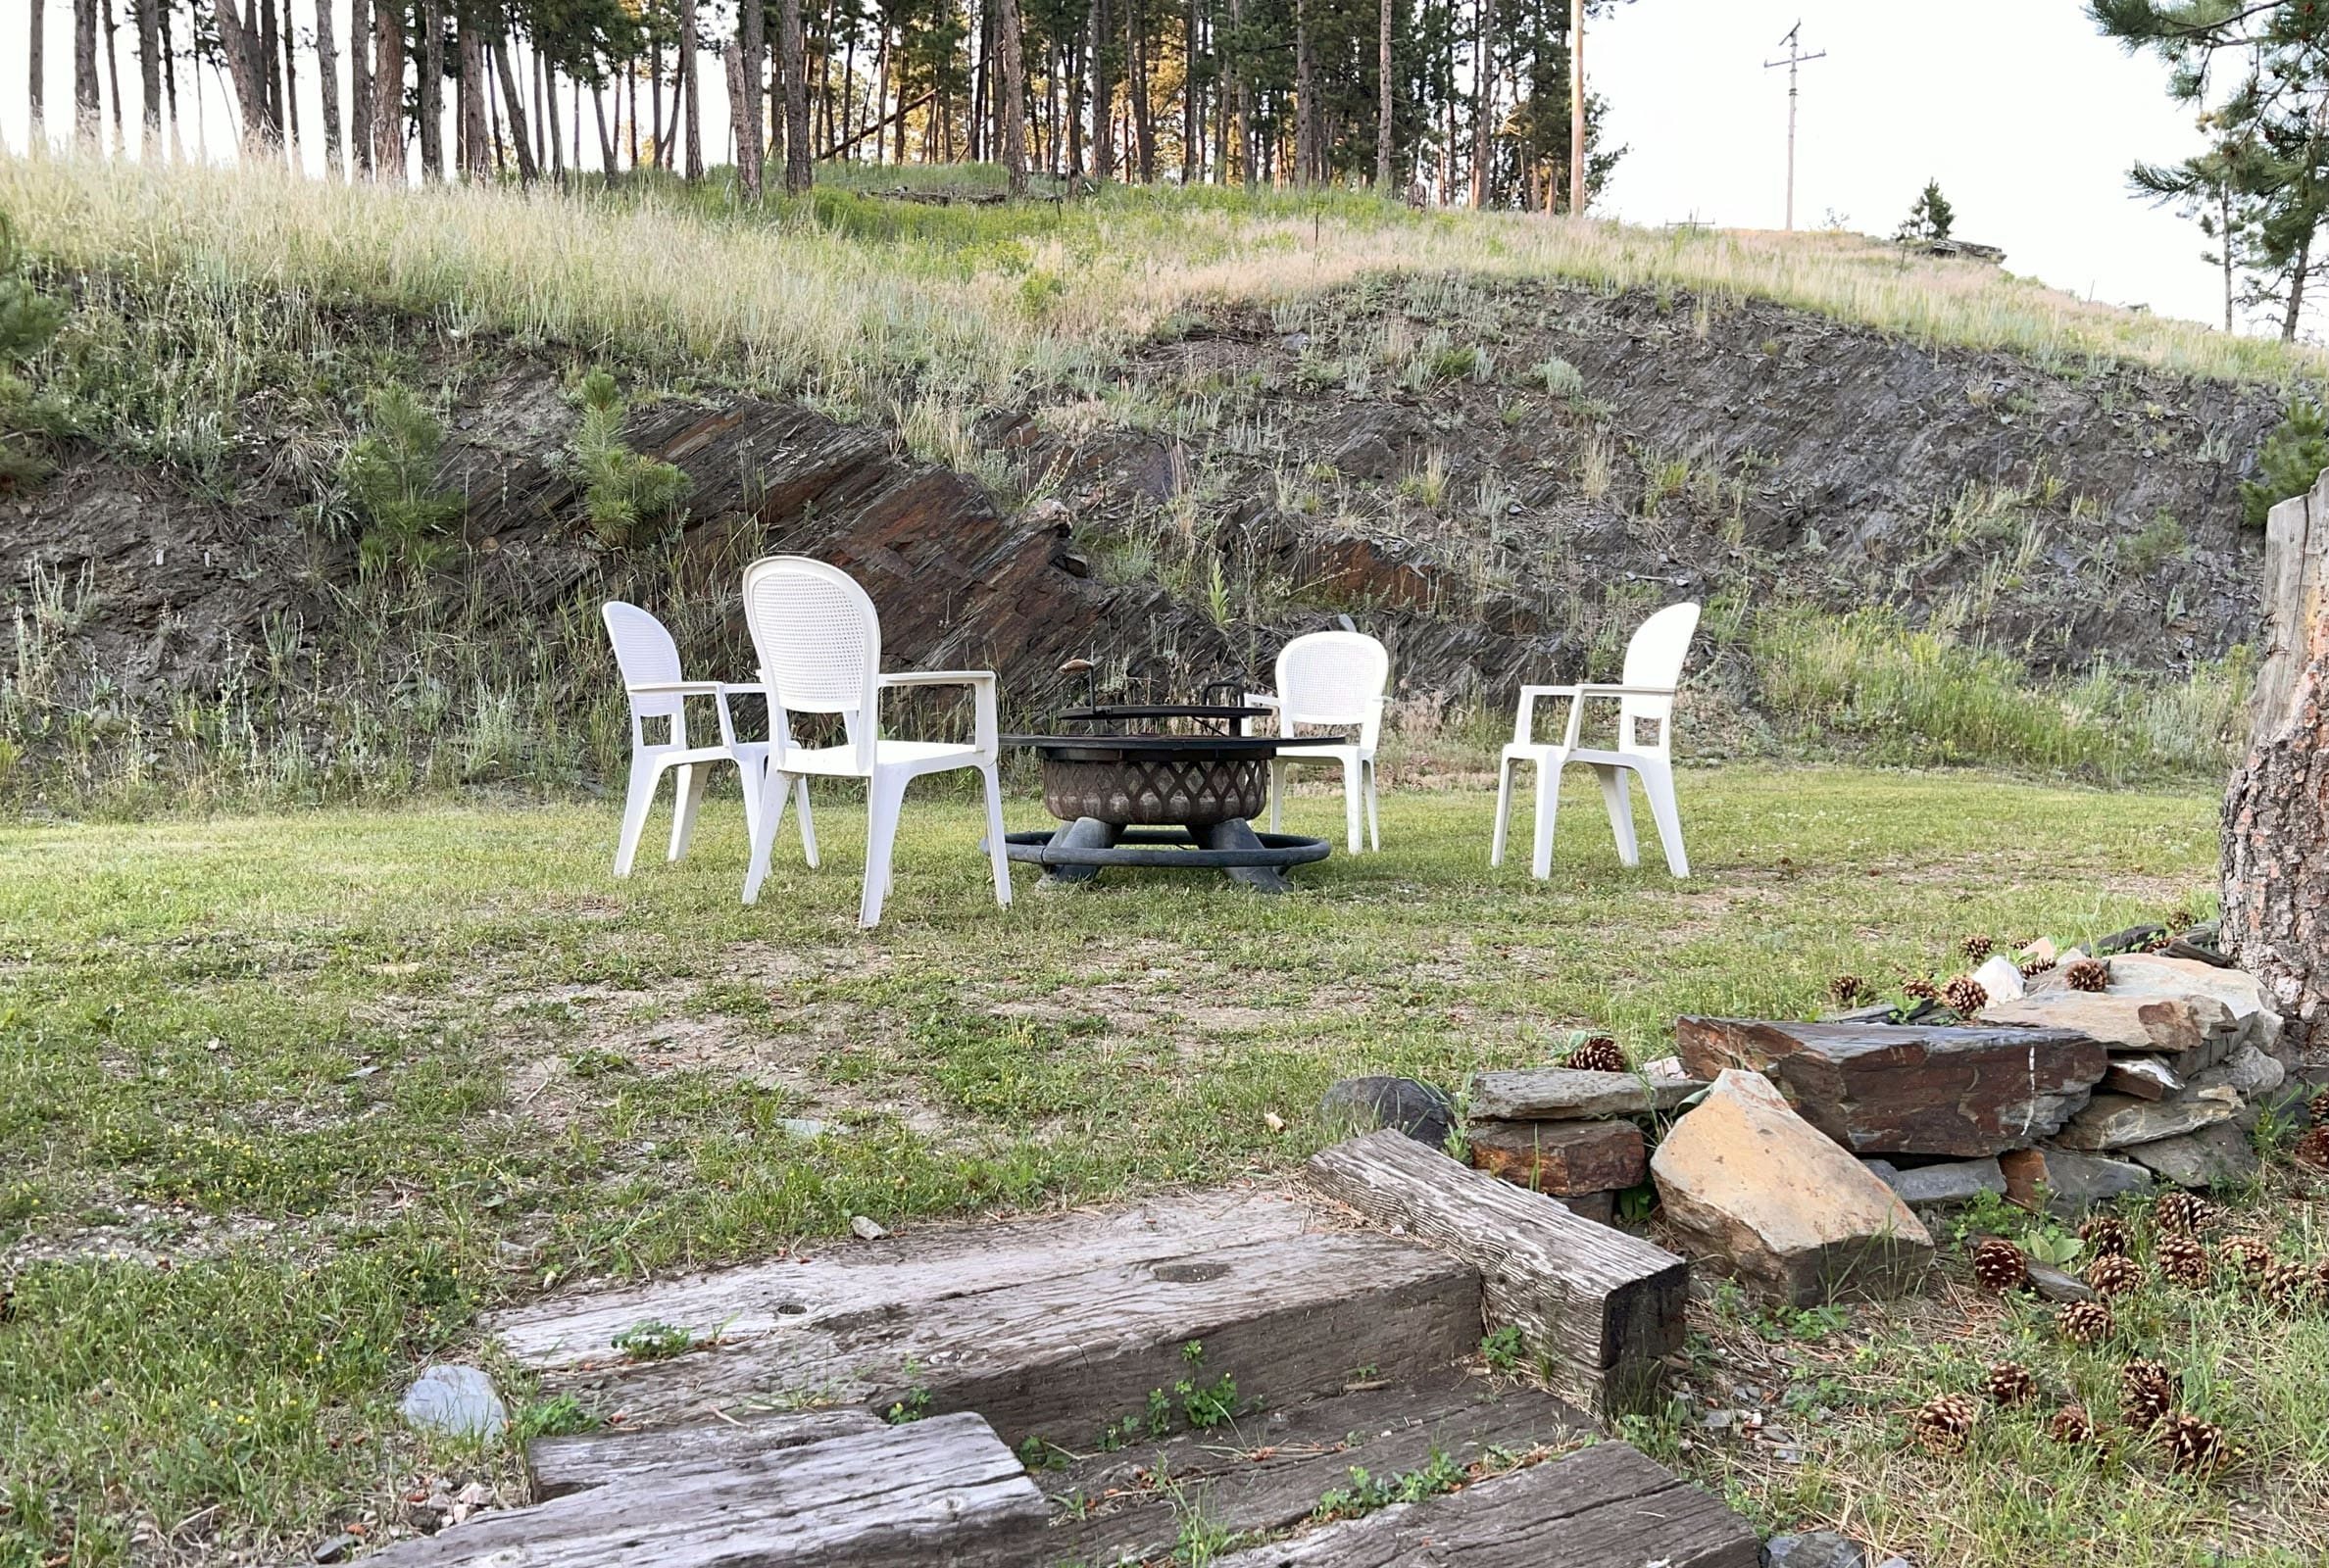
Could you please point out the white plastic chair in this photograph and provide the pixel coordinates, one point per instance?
(649, 660)
(1331, 679)
(818, 638)
(1646, 696)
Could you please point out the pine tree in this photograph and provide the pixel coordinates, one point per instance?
(1930, 218)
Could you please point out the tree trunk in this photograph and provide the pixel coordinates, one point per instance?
(271, 65)
(360, 87)
(2297, 273)
(2276, 810)
(149, 78)
(177, 145)
(242, 68)
(1192, 101)
(515, 102)
(1103, 97)
(1014, 92)
(1307, 158)
(87, 112)
(1383, 97)
(694, 128)
(798, 172)
(388, 71)
(1244, 101)
(113, 75)
(432, 89)
(1579, 193)
(606, 135)
(1137, 91)
(752, 49)
(289, 96)
(36, 62)
(327, 85)
(1483, 102)
(476, 164)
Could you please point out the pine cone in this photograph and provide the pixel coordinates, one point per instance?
(2180, 1213)
(2313, 1149)
(2114, 1274)
(2087, 974)
(2289, 1287)
(1921, 988)
(1945, 1422)
(2073, 1425)
(2000, 1266)
(2180, 920)
(2086, 1322)
(2032, 968)
(2192, 1444)
(2250, 1258)
(1848, 989)
(2185, 1261)
(2148, 1391)
(2321, 1279)
(2105, 1236)
(2011, 1383)
(1976, 947)
(1964, 995)
(2317, 1107)
(1599, 1054)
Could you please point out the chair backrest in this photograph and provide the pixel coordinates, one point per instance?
(1654, 657)
(818, 638)
(1333, 677)
(644, 652)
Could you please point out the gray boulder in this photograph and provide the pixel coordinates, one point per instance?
(1417, 1109)
(1813, 1549)
(455, 1400)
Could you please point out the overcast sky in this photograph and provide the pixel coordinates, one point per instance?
(2027, 118)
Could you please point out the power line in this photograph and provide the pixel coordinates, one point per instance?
(1794, 58)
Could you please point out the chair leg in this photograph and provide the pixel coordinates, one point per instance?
(1354, 801)
(1504, 810)
(1548, 802)
(763, 832)
(1659, 784)
(1375, 820)
(686, 800)
(808, 823)
(644, 775)
(752, 776)
(885, 792)
(994, 850)
(1619, 800)
(1277, 791)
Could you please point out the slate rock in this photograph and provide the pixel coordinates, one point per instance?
(2058, 1284)
(456, 1400)
(1561, 1157)
(2220, 1155)
(1955, 1181)
(2151, 974)
(1570, 1093)
(2144, 1077)
(1759, 1191)
(2120, 1122)
(2071, 1182)
(1815, 1549)
(2247, 1072)
(2192, 1031)
(1599, 1207)
(1886, 1089)
(1417, 1109)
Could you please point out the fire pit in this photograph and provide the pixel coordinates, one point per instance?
(1136, 793)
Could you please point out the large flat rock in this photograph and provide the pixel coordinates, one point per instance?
(1909, 1089)
(1759, 1193)
(2120, 1122)
(1565, 1159)
(2151, 974)
(2067, 1182)
(2192, 1031)
(1606, 1507)
(1570, 1093)
(2217, 1155)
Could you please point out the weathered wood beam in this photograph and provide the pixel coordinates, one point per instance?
(561, 1465)
(1604, 1307)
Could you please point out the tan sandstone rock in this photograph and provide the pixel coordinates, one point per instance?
(2149, 974)
(2193, 1031)
(1759, 1193)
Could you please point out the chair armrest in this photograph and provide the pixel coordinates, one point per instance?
(759, 688)
(1598, 689)
(940, 677)
(679, 688)
(1261, 700)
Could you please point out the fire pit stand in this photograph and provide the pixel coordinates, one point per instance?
(1177, 801)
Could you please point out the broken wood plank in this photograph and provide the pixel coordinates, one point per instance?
(1572, 1094)
(1914, 1089)
(1606, 1507)
(945, 1490)
(1565, 1159)
(1604, 1307)
(1266, 1471)
(561, 1465)
(847, 1277)
(1056, 1357)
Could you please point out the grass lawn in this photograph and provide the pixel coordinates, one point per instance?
(285, 1101)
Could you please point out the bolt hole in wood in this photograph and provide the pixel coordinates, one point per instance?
(1189, 1273)
(792, 1310)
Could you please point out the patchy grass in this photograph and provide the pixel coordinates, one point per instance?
(285, 1101)
(1835, 1451)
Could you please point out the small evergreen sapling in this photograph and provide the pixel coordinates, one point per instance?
(624, 493)
(1930, 218)
(390, 475)
(2288, 464)
(29, 320)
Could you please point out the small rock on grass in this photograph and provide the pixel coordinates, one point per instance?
(866, 1230)
(456, 1400)
(335, 1549)
(1417, 1109)
(1813, 1549)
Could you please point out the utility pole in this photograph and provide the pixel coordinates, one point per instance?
(1795, 56)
